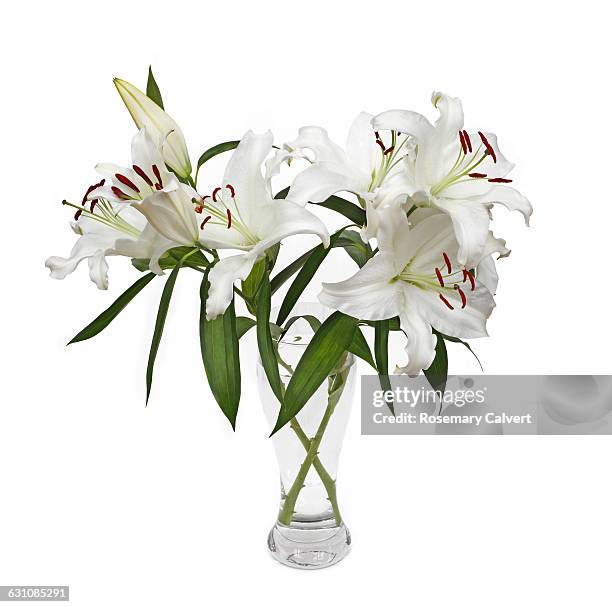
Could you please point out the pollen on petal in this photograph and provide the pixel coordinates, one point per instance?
(488, 146)
(127, 182)
(447, 262)
(142, 175)
(446, 302)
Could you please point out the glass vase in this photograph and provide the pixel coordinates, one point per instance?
(309, 531)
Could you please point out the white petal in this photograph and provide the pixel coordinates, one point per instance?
(146, 113)
(316, 139)
(361, 148)
(404, 121)
(222, 277)
(370, 294)
(172, 213)
(487, 274)
(98, 270)
(471, 224)
(150, 245)
(512, 199)
(450, 121)
(146, 151)
(421, 342)
(319, 181)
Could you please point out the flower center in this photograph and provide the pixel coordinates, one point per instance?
(469, 158)
(222, 213)
(391, 156)
(130, 191)
(453, 286)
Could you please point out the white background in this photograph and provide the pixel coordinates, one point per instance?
(164, 505)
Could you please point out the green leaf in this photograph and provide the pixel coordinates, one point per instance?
(172, 257)
(226, 146)
(381, 354)
(464, 343)
(350, 210)
(162, 313)
(313, 321)
(220, 354)
(360, 252)
(153, 90)
(437, 373)
(305, 275)
(267, 351)
(250, 286)
(103, 320)
(243, 324)
(285, 274)
(359, 347)
(321, 356)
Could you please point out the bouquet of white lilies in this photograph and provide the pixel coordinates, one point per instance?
(418, 198)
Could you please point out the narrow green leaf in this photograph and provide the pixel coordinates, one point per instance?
(464, 343)
(350, 210)
(437, 373)
(286, 273)
(220, 354)
(243, 324)
(267, 352)
(360, 252)
(215, 150)
(162, 313)
(153, 90)
(313, 321)
(305, 275)
(359, 347)
(250, 286)
(381, 354)
(322, 354)
(103, 320)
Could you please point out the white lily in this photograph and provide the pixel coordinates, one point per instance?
(147, 114)
(460, 173)
(243, 215)
(369, 167)
(106, 228)
(416, 276)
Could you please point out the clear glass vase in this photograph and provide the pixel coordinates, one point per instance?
(309, 531)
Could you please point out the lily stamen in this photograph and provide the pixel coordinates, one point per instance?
(446, 302)
(447, 262)
(127, 182)
(488, 146)
(142, 175)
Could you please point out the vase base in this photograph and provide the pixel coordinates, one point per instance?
(309, 546)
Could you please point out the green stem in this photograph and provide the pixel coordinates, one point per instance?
(328, 482)
(291, 497)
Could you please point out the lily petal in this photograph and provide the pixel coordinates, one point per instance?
(404, 121)
(512, 199)
(421, 342)
(222, 277)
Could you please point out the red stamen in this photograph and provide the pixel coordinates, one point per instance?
(381, 144)
(477, 175)
(389, 150)
(229, 219)
(199, 209)
(377, 134)
(487, 145)
(94, 202)
(462, 295)
(125, 181)
(467, 140)
(142, 175)
(119, 194)
(468, 275)
(91, 188)
(158, 177)
(439, 275)
(447, 262)
(231, 189)
(446, 302)
(78, 214)
(205, 221)
(500, 180)
(463, 143)
(214, 194)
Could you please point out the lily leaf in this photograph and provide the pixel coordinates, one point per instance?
(464, 343)
(359, 347)
(267, 351)
(437, 373)
(357, 250)
(250, 286)
(285, 274)
(160, 321)
(220, 354)
(153, 92)
(381, 354)
(243, 324)
(215, 150)
(321, 356)
(171, 258)
(103, 320)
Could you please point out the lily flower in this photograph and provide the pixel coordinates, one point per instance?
(147, 114)
(368, 167)
(417, 276)
(106, 228)
(460, 173)
(241, 214)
